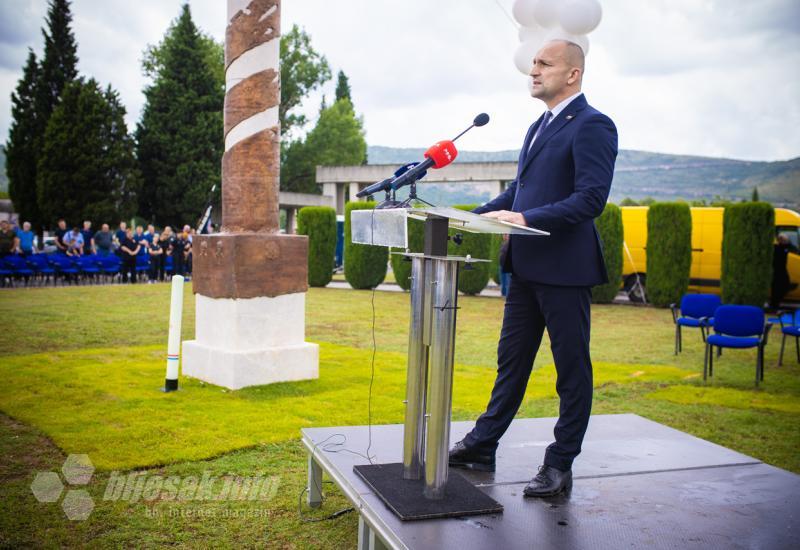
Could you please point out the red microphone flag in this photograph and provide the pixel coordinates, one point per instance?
(442, 153)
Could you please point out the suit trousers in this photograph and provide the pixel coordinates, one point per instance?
(565, 312)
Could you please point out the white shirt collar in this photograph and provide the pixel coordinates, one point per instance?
(563, 105)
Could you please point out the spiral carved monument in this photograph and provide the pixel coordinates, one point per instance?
(250, 281)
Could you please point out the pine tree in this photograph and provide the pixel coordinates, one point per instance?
(343, 87)
(22, 145)
(179, 137)
(754, 198)
(86, 168)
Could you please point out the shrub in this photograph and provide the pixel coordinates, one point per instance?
(364, 265)
(401, 267)
(747, 246)
(319, 223)
(669, 252)
(477, 245)
(609, 225)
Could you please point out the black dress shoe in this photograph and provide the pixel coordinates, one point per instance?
(549, 482)
(462, 456)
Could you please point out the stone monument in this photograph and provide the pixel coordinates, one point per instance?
(250, 281)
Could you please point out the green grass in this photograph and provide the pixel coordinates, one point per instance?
(82, 368)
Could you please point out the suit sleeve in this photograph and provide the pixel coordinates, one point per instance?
(503, 201)
(594, 152)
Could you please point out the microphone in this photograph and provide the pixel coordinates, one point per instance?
(438, 155)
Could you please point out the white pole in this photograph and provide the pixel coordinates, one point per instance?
(174, 342)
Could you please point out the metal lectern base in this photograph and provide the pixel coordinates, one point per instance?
(403, 496)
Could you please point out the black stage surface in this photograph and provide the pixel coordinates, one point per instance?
(637, 484)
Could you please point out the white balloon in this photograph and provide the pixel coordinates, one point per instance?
(532, 32)
(523, 57)
(580, 16)
(523, 12)
(580, 39)
(546, 12)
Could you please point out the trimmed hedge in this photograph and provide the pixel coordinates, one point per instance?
(364, 265)
(401, 267)
(609, 225)
(319, 224)
(669, 252)
(477, 245)
(747, 247)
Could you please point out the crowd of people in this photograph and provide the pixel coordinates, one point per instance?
(125, 242)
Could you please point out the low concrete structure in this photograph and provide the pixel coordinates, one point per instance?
(341, 183)
(292, 202)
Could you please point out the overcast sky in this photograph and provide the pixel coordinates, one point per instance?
(705, 77)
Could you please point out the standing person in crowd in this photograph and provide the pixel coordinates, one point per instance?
(25, 237)
(150, 233)
(157, 259)
(88, 238)
(103, 241)
(8, 239)
(188, 252)
(74, 242)
(165, 240)
(780, 275)
(60, 233)
(178, 245)
(129, 248)
(119, 234)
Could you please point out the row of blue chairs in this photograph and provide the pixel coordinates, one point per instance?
(735, 327)
(42, 268)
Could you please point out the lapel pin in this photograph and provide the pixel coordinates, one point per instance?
(570, 117)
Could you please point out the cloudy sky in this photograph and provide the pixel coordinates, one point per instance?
(706, 77)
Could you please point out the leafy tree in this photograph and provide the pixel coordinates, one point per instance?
(179, 138)
(22, 146)
(337, 139)
(303, 70)
(627, 201)
(343, 87)
(87, 169)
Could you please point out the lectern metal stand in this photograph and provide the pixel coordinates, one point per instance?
(431, 338)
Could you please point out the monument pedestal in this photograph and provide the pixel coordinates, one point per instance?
(250, 311)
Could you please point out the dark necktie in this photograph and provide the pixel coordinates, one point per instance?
(540, 130)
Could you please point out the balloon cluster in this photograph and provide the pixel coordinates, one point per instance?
(544, 20)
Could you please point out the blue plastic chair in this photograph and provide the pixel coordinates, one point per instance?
(790, 326)
(65, 267)
(696, 311)
(110, 265)
(89, 266)
(142, 264)
(19, 267)
(41, 266)
(737, 327)
(6, 274)
(168, 265)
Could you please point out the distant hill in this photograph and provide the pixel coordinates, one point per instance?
(640, 174)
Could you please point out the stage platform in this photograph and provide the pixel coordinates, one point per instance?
(637, 484)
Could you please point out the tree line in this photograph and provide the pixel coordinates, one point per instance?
(71, 155)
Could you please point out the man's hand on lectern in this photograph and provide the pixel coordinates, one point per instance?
(507, 216)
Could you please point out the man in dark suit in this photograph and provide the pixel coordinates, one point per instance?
(563, 179)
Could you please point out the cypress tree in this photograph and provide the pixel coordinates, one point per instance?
(86, 168)
(179, 138)
(343, 87)
(24, 137)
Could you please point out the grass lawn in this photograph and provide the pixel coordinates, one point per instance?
(82, 367)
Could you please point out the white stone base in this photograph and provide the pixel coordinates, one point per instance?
(250, 342)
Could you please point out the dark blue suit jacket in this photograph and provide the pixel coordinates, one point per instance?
(562, 185)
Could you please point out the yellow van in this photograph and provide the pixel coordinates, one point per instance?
(706, 249)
